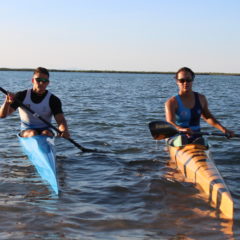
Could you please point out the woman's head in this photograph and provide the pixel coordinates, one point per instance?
(184, 78)
(187, 70)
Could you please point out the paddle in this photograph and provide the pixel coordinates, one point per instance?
(83, 149)
(161, 130)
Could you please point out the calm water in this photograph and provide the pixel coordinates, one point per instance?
(128, 193)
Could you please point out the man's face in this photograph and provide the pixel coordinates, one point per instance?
(40, 82)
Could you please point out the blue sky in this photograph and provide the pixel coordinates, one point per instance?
(131, 35)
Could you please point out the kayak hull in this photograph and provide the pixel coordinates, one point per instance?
(41, 152)
(197, 167)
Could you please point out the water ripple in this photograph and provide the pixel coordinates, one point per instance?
(131, 192)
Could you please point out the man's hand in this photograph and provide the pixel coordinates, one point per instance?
(10, 98)
(65, 134)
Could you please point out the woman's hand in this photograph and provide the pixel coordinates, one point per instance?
(228, 133)
(187, 131)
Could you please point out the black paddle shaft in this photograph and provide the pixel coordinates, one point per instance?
(48, 123)
(161, 130)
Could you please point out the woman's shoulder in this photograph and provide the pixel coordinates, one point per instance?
(202, 99)
(171, 101)
(201, 96)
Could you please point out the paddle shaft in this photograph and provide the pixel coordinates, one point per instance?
(48, 123)
(162, 129)
(217, 134)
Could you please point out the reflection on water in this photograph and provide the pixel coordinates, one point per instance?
(132, 192)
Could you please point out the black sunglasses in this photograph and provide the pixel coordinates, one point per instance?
(183, 80)
(45, 80)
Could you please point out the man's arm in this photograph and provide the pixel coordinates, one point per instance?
(62, 125)
(6, 108)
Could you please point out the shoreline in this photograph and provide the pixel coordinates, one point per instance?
(113, 71)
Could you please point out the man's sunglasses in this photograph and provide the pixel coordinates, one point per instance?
(183, 80)
(45, 80)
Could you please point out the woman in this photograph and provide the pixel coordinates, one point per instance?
(185, 110)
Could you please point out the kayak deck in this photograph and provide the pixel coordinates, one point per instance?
(197, 167)
(41, 152)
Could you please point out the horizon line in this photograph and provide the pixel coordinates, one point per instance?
(117, 71)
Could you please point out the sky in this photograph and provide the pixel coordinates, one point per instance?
(121, 35)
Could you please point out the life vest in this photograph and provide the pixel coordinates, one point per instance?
(189, 118)
(28, 121)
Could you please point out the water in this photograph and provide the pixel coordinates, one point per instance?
(128, 193)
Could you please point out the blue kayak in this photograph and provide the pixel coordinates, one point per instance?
(41, 152)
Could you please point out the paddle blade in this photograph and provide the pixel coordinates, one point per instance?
(161, 130)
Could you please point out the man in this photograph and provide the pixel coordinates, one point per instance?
(41, 101)
(185, 110)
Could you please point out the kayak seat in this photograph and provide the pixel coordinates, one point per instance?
(182, 140)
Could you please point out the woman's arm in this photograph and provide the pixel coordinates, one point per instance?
(210, 119)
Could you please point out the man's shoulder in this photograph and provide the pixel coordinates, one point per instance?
(54, 100)
(21, 95)
(55, 104)
(22, 92)
(54, 97)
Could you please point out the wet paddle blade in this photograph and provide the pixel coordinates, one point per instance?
(161, 130)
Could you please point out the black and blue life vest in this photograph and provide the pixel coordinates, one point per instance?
(189, 118)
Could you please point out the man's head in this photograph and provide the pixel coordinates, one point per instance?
(42, 71)
(40, 80)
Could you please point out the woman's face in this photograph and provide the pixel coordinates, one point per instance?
(184, 81)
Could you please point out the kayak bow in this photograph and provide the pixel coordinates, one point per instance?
(41, 152)
(195, 164)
